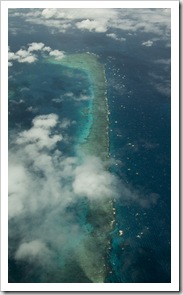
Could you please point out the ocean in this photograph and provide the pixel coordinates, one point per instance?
(139, 144)
(137, 116)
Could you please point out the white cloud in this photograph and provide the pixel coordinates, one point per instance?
(28, 59)
(76, 14)
(160, 82)
(46, 48)
(22, 56)
(40, 133)
(82, 97)
(69, 94)
(44, 189)
(12, 56)
(27, 55)
(163, 61)
(17, 186)
(45, 121)
(148, 43)
(156, 21)
(164, 87)
(92, 25)
(114, 36)
(65, 123)
(34, 250)
(57, 54)
(22, 53)
(48, 13)
(40, 176)
(93, 181)
(38, 181)
(35, 46)
(57, 99)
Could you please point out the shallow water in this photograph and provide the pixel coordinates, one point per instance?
(137, 113)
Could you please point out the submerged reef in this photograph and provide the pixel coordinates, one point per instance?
(91, 253)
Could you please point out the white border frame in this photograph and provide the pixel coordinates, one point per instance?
(174, 285)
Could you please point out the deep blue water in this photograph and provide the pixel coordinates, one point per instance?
(140, 137)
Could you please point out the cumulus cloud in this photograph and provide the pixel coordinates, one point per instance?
(43, 184)
(12, 56)
(28, 55)
(22, 53)
(49, 12)
(92, 25)
(40, 133)
(50, 193)
(57, 54)
(28, 59)
(46, 185)
(93, 181)
(18, 182)
(156, 21)
(22, 56)
(46, 48)
(30, 187)
(42, 167)
(81, 13)
(41, 177)
(35, 46)
(148, 43)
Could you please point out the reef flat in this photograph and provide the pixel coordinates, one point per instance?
(91, 254)
(97, 142)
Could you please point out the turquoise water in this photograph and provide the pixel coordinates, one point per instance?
(67, 93)
(139, 139)
(59, 90)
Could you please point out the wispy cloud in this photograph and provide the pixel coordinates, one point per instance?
(114, 36)
(156, 21)
(161, 82)
(163, 61)
(33, 250)
(148, 43)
